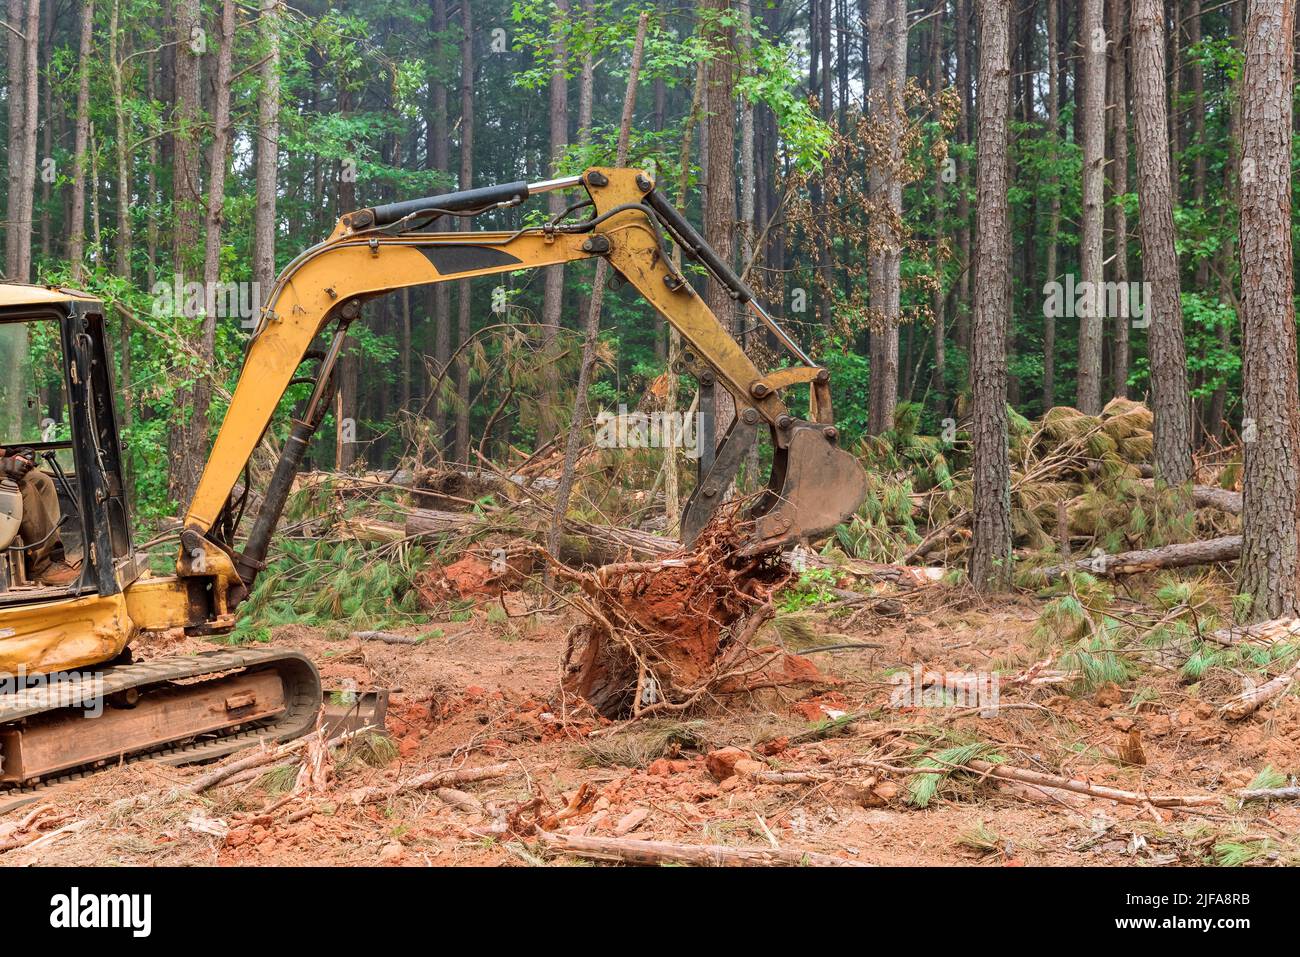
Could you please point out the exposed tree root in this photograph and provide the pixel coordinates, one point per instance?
(662, 636)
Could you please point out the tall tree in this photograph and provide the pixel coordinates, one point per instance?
(1271, 430)
(887, 28)
(1168, 359)
(1092, 111)
(553, 295)
(1054, 203)
(460, 442)
(1119, 111)
(218, 158)
(939, 298)
(990, 553)
(190, 44)
(81, 126)
(24, 109)
(720, 172)
(438, 157)
(268, 150)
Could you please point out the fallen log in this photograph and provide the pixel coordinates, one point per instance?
(581, 544)
(1208, 552)
(1210, 496)
(387, 637)
(1260, 633)
(632, 851)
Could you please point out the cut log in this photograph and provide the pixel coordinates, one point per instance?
(1225, 549)
(631, 851)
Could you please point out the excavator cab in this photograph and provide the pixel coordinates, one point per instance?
(57, 411)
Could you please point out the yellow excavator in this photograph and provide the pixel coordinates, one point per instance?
(64, 655)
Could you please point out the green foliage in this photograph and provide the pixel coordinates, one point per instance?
(334, 585)
(811, 589)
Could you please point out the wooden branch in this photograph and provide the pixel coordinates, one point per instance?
(431, 780)
(1092, 790)
(1208, 552)
(1269, 794)
(630, 851)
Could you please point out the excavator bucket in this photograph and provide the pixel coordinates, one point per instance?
(815, 485)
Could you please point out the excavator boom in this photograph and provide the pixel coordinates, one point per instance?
(815, 484)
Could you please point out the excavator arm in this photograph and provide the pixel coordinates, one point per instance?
(814, 486)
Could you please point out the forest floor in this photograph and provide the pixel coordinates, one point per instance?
(487, 694)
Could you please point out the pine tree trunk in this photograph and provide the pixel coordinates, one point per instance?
(1119, 113)
(720, 209)
(887, 28)
(268, 152)
(962, 38)
(1167, 356)
(186, 458)
(1092, 110)
(1054, 207)
(77, 225)
(121, 146)
(439, 158)
(553, 294)
(939, 296)
(460, 442)
(218, 158)
(990, 554)
(1271, 430)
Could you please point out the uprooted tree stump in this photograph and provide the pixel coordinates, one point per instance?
(660, 636)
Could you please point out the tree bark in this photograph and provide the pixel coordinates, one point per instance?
(1271, 429)
(121, 146)
(438, 157)
(24, 107)
(887, 27)
(460, 442)
(77, 224)
(1119, 112)
(940, 294)
(186, 448)
(553, 294)
(268, 152)
(1054, 208)
(990, 554)
(720, 131)
(1092, 109)
(1168, 359)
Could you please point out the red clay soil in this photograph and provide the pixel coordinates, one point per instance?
(489, 695)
